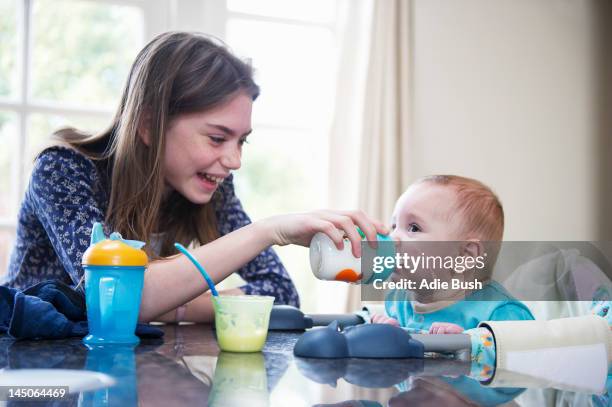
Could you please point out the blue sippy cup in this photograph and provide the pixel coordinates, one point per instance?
(114, 276)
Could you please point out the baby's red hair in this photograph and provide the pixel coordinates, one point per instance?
(479, 206)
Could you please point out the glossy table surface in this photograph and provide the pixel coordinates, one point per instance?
(186, 367)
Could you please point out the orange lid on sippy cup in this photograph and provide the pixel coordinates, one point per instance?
(114, 253)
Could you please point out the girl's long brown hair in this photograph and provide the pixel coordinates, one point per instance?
(174, 74)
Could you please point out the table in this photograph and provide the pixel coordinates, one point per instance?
(186, 367)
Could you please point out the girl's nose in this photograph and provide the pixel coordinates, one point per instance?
(231, 158)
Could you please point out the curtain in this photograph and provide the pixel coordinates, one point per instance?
(384, 133)
(368, 134)
(355, 18)
(384, 171)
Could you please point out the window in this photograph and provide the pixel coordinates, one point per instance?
(64, 62)
(292, 47)
(61, 65)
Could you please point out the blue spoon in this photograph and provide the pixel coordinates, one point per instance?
(209, 281)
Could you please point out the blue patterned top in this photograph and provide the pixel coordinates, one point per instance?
(67, 193)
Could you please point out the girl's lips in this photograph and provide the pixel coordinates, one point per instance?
(212, 177)
(206, 184)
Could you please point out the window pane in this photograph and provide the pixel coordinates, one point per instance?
(84, 55)
(8, 49)
(282, 171)
(9, 137)
(307, 10)
(7, 237)
(295, 68)
(41, 126)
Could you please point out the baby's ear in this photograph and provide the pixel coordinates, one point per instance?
(473, 248)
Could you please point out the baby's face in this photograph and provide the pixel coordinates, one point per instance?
(425, 212)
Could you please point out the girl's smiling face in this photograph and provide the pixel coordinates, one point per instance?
(203, 148)
(426, 212)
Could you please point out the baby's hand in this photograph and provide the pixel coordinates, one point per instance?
(445, 328)
(383, 319)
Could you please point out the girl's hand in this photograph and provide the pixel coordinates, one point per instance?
(445, 328)
(383, 319)
(300, 228)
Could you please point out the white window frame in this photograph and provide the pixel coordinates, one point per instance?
(156, 19)
(210, 16)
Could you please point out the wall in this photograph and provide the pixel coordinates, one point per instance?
(514, 93)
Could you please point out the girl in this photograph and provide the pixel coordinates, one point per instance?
(161, 173)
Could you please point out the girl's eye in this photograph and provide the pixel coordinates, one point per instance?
(216, 139)
(244, 141)
(393, 226)
(413, 227)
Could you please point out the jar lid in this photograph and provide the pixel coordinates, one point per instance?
(114, 253)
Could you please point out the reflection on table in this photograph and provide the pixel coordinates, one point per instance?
(187, 368)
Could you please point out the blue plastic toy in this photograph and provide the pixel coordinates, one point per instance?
(374, 341)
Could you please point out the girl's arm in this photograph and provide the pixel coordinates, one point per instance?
(199, 309)
(263, 275)
(172, 282)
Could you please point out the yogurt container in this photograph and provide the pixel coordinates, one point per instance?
(241, 321)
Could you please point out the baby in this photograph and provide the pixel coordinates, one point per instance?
(466, 214)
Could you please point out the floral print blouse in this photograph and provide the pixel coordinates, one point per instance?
(68, 192)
